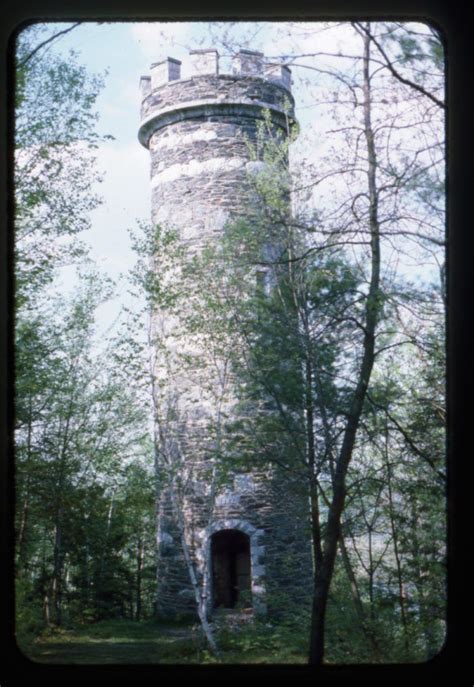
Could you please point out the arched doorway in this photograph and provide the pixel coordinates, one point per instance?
(230, 555)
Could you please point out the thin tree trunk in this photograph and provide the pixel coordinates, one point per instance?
(356, 597)
(22, 538)
(22, 534)
(138, 600)
(311, 451)
(100, 576)
(324, 574)
(401, 592)
(45, 583)
(86, 569)
(130, 602)
(425, 616)
(58, 557)
(57, 570)
(46, 609)
(198, 592)
(371, 576)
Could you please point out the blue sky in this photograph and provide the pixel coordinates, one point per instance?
(125, 51)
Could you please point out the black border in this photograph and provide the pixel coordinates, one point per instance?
(455, 22)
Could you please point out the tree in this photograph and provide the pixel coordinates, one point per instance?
(366, 319)
(386, 187)
(319, 334)
(77, 422)
(54, 142)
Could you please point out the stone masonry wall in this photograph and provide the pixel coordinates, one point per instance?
(197, 131)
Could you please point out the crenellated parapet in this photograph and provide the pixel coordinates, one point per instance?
(253, 86)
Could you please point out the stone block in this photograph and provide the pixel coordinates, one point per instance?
(165, 538)
(248, 63)
(258, 570)
(204, 62)
(279, 74)
(165, 71)
(227, 499)
(145, 85)
(244, 483)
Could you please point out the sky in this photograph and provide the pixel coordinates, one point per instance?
(124, 52)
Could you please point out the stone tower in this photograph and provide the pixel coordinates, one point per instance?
(253, 549)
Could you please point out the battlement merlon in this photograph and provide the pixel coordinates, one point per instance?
(253, 87)
(205, 62)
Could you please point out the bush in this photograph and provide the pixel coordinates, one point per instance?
(265, 642)
(29, 620)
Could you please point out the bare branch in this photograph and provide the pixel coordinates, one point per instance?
(394, 72)
(45, 42)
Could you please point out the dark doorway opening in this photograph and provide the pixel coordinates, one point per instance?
(230, 554)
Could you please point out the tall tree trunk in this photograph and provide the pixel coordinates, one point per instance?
(105, 550)
(371, 576)
(138, 600)
(201, 602)
(57, 570)
(365, 625)
(58, 554)
(87, 582)
(45, 586)
(426, 620)
(311, 452)
(324, 574)
(22, 534)
(46, 609)
(396, 552)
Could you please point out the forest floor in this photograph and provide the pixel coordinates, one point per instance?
(125, 642)
(118, 642)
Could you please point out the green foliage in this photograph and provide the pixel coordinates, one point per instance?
(84, 492)
(55, 139)
(121, 641)
(288, 311)
(345, 639)
(263, 642)
(418, 54)
(28, 614)
(77, 428)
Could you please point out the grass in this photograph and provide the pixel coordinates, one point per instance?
(125, 642)
(114, 642)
